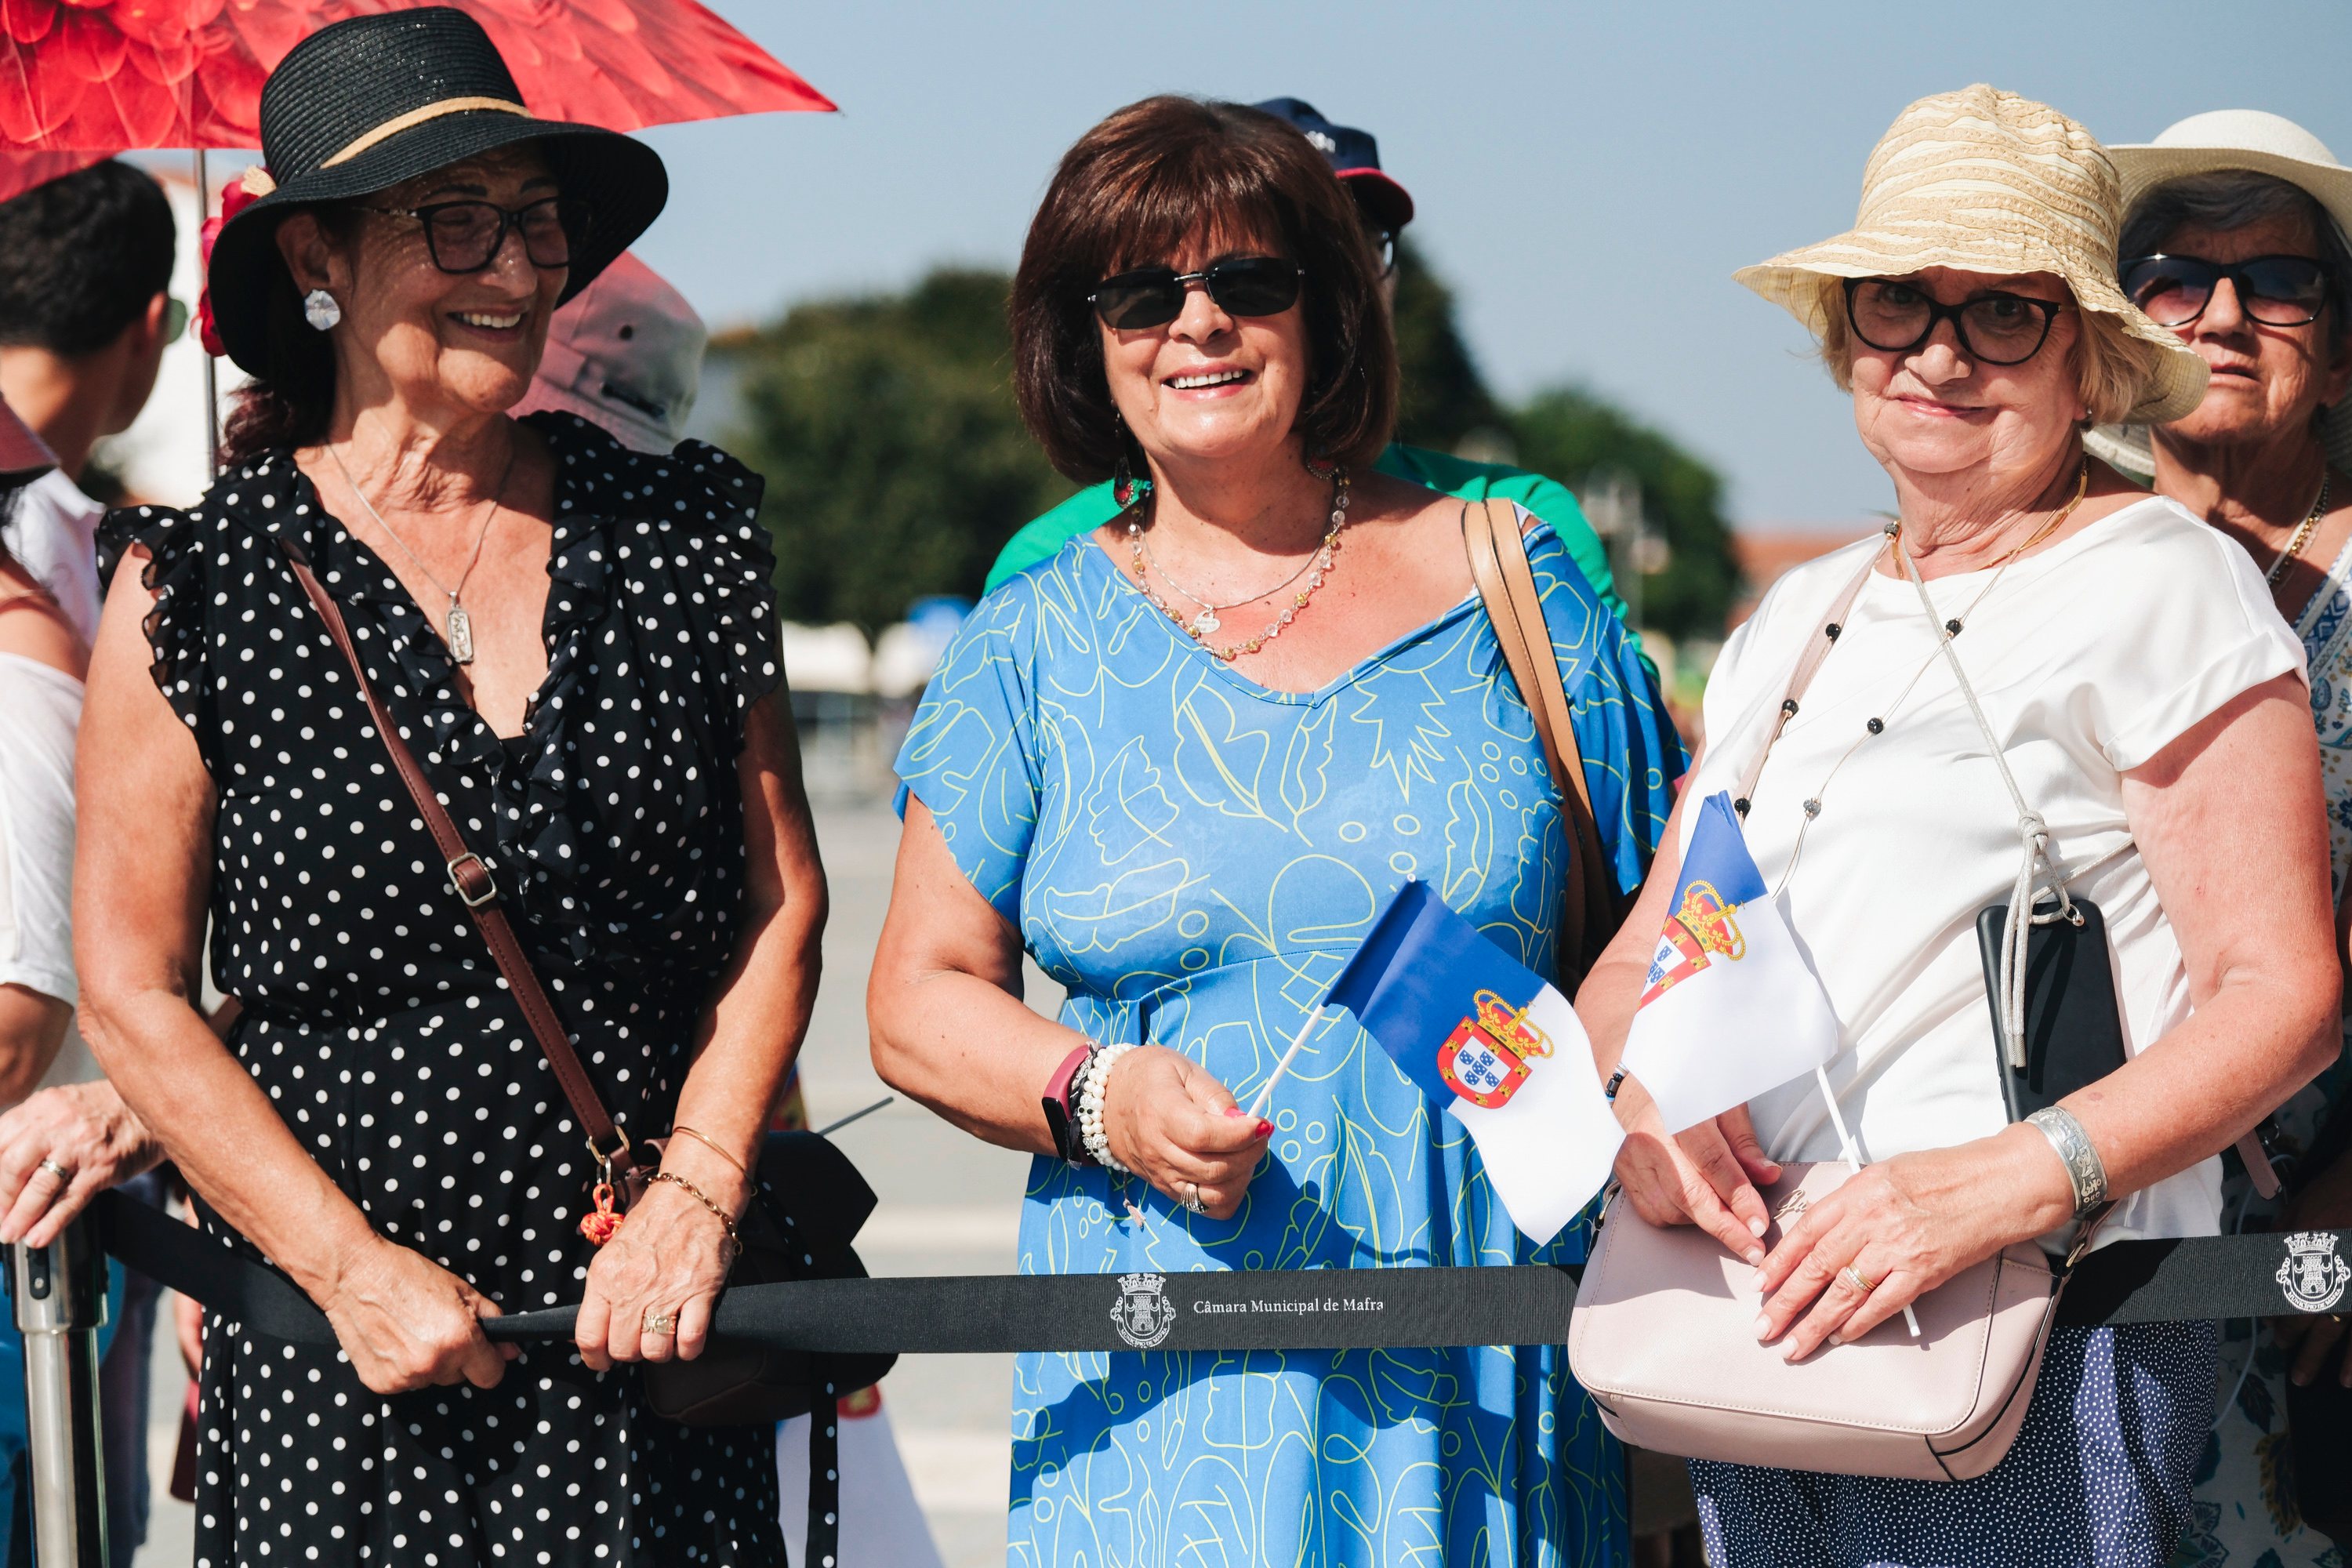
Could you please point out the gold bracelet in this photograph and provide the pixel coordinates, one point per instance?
(734, 1240)
(705, 1140)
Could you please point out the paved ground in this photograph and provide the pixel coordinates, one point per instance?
(949, 1207)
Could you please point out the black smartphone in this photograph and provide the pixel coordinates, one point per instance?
(2073, 1028)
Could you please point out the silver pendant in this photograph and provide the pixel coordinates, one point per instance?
(460, 631)
(1203, 624)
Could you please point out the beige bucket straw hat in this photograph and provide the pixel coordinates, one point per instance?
(2227, 138)
(1984, 181)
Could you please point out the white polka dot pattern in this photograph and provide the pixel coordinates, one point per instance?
(378, 1027)
(2099, 1476)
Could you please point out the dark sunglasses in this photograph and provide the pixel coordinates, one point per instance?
(2276, 291)
(1154, 296)
(1895, 317)
(466, 237)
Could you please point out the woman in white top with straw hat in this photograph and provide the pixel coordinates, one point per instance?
(2234, 237)
(2131, 676)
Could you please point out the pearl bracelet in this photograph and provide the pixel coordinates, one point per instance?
(1089, 1099)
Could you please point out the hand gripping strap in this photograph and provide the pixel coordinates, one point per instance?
(471, 878)
(1590, 911)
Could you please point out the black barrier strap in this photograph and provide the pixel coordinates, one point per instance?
(2264, 1275)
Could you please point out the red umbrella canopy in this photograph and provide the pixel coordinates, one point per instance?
(106, 76)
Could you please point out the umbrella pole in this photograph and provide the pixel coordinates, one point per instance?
(212, 383)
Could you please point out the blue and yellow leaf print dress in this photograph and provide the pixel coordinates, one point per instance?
(1194, 856)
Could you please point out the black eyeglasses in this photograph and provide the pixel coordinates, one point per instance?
(1154, 296)
(466, 237)
(2276, 291)
(1895, 317)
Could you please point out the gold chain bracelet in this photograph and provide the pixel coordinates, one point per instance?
(734, 1239)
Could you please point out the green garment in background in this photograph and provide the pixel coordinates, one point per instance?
(1042, 538)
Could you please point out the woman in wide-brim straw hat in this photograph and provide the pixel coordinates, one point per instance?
(2234, 238)
(578, 643)
(2130, 673)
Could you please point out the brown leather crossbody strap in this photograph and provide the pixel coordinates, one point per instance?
(1506, 584)
(471, 878)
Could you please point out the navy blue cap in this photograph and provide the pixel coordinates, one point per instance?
(1354, 156)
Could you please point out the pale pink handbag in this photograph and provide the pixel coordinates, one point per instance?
(1663, 1337)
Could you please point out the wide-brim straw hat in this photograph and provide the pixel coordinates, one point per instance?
(2216, 143)
(1984, 181)
(368, 102)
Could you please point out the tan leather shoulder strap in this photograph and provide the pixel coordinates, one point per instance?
(1506, 585)
(471, 878)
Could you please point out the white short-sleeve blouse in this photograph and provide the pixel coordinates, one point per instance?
(40, 708)
(2089, 658)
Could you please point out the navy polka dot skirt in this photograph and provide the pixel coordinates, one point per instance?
(2099, 1476)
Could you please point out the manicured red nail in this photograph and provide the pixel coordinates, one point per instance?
(1235, 1111)
(1265, 1128)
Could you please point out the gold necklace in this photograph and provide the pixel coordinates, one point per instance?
(2301, 532)
(1198, 627)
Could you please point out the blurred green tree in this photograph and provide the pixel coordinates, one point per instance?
(896, 460)
(1580, 440)
(1441, 400)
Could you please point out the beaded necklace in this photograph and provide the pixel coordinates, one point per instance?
(1199, 627)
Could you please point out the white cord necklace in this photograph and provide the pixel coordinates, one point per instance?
(457, 625)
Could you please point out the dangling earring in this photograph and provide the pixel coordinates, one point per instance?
(318, 308)
(1123, 482)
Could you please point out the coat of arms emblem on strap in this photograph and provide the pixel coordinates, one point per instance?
(2312, 1276)
(1695, 936)
(1486, 1059)
(1144, 1313)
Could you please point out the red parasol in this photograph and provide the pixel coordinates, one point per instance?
(107, 76)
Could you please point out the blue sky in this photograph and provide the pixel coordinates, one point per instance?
(1588, 177)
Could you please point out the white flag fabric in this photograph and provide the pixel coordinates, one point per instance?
(1730, 1008)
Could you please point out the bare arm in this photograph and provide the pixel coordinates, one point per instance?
(668, 1258)
(32, 1027)
(142, 878)
(2242, 875)
(950, 1029)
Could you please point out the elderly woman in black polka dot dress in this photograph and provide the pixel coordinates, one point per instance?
(578, 643)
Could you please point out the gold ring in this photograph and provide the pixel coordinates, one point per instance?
(1856, 1277)
(660, 1322)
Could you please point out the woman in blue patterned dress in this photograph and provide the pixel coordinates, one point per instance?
(1182, 763)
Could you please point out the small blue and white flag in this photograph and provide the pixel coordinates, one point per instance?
(1499, 1049)
(1730, 1008)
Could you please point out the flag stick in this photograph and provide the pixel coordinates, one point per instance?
(1265, 1091)
(1853, 1159)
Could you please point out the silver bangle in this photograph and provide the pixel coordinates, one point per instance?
(1090, 1105)
(2085, 1170)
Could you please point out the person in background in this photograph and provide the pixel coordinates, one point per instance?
(85, 261)
(1097, 775)
(627, 356)
(1972, 315)
(2234, 237)
(1383, 207)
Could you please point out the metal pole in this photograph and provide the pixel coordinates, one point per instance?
(60, 1299)
(212, 384)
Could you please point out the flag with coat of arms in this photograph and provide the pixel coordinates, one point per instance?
(1497, 1048)
(1730, 1008)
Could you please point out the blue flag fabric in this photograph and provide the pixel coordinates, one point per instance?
(1488, 1039)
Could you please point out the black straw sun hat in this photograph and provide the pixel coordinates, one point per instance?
(373, 100)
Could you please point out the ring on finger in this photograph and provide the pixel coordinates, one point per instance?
(59, 1172)
(660, 1322)
(1856, 1277)
(1193, 1198)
